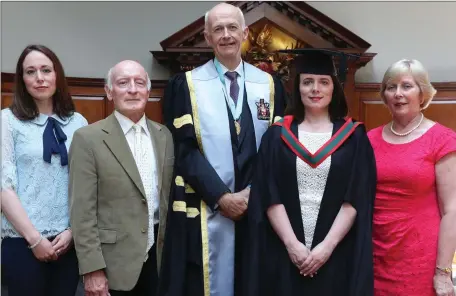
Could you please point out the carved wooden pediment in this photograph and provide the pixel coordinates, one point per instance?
(273, 25)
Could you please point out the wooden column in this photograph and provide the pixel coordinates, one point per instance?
(349, 90)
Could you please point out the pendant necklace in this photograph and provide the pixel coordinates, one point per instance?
(238, 127)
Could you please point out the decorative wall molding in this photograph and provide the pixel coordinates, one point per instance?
(83, 81)
(367, 87)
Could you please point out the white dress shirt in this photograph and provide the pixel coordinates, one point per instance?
(150, 184)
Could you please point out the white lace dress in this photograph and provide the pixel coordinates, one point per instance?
(42, 187)
(311, 182)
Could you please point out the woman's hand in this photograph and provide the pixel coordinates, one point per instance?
(443, 285)
(319, 255)
(62, 242)
(298, 253)
(44, 250)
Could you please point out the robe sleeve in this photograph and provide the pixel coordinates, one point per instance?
(172, 272)
(175, 252)
(280, 97)
(361, 194)
(264, 188)
(263, 194)
(191, 164)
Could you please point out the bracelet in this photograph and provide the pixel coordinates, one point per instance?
(446, 270)
(37, 243)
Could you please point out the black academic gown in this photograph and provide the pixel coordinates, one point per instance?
(352, 178)
(182, 268)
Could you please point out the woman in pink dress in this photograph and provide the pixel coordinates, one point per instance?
(414, 223)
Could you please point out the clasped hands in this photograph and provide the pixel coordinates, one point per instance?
(234, 205)
(309, 262)
(51, 250)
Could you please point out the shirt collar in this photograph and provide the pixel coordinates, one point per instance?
(126, 123)
(41, 119)
(239, 69)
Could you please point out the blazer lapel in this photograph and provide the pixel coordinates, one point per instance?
(159, 143)
(117, 143)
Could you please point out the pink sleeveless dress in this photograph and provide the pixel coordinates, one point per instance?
(406, 212)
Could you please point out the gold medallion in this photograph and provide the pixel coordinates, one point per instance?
(238, 127)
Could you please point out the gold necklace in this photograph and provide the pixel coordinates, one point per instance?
(410, 131)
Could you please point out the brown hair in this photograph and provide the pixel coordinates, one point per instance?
(338, 108)
(24, 106)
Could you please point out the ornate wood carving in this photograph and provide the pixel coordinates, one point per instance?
(187, 48)
(273, 25)
(298, 12)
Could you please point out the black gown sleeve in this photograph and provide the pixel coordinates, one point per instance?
(361, 195)
(174, 254)
(196, 171)
(190, 162)
(264, 190)
(280, 97)
(264, 193)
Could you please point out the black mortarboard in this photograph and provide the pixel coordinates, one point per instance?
(320, 61)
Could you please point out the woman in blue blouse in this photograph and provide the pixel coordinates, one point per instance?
(38, 258)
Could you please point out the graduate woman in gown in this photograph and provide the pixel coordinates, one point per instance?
(310, 209)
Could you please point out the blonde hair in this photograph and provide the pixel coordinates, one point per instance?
(418, 72)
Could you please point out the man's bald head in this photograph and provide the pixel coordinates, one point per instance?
(225, 31)
(128, 87)
(126, 65)
(223, 8)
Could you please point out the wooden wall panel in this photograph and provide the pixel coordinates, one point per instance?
(374, 113)
(369, 108)
(90, 97)
(444, 112)
(7, 93)
(153, 107)
(91, 107)
(7, 98)
(365, 102)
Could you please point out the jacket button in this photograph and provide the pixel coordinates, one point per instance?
(143, 230)
(144, 201)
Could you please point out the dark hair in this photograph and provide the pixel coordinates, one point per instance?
(337, 108)
(24, 106)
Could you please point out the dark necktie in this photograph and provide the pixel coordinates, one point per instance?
(234, 86)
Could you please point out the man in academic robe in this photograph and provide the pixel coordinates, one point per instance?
(215, 115)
